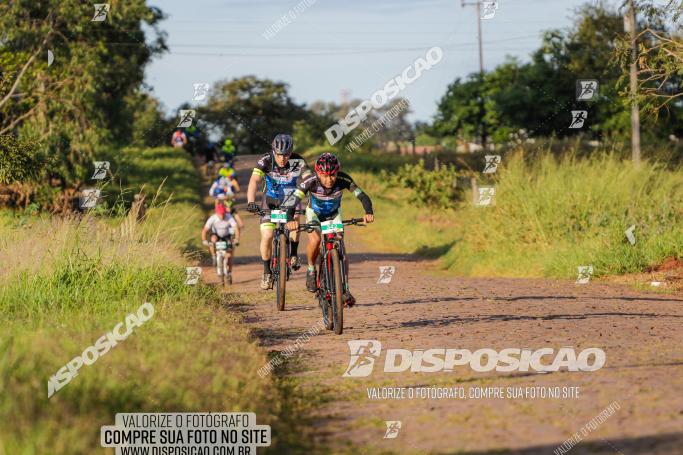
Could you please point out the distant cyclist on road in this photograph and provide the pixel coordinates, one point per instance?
(326, 187)
(222, 227)
(281, 169)
(179, 139)
(228, 152)
(230, 204)
(225, 186)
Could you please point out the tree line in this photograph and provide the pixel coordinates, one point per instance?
(92, 100)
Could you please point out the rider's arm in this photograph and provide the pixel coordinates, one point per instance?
(238, 218)
(301, 189)
(256, 176)
(362, 197)
(254, 183)
(214, 185)
(237, 230)
(207, 226)
(236, 185)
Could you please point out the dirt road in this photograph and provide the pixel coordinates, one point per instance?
(422, 309)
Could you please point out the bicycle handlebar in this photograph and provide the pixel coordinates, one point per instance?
(262, 212)
(308, 227)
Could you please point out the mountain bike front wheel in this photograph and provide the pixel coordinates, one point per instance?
(281, 284)
(336, 292)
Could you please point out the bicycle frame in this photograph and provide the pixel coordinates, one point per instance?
(332, 306)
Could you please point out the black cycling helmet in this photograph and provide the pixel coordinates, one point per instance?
(327, 164)
(283, 144)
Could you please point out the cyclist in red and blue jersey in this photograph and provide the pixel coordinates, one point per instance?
(281, 169)
(325, 189)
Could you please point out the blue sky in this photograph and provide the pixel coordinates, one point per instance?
(342, 45)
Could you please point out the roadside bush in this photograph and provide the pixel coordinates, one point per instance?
(20, 160)
(432, 188)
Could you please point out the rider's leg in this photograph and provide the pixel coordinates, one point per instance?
(312, 253)
(313, 248)
(294, 248)
(294, 239)
(212, 244)
(266, 253)
(266, 246)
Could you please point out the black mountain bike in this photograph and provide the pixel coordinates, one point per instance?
(331, 274)
(280, 267)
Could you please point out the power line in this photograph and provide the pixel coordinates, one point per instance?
(314, 54)
(294, 46)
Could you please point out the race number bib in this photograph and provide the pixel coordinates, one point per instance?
(278, 216)
(330, 227)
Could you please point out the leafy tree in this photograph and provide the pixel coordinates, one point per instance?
(149, 126)
(80, 102)
(538, 96)
(659, 66)
(251, 111)
(20, 161)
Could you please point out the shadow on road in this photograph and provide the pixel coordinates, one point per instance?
(444, 321)
(513, 299)
(355, 258)
(668, 443)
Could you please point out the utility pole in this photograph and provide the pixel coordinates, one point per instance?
(481, 68)
(630, 26)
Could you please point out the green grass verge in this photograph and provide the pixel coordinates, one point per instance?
(550, 216)
(67, 282)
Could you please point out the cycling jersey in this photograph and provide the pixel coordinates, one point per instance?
(179, 137)
(223, 228)
(221, 186)
(281, 182)
(326, 201)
